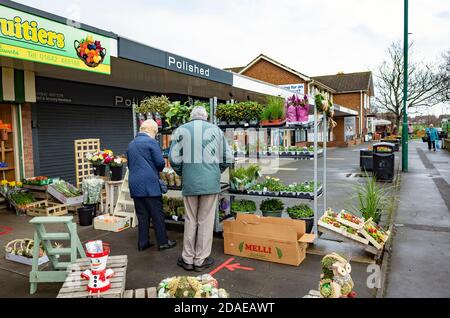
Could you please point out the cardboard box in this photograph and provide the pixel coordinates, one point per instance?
(63, 199)
(26, 260)
(107, 222)
(278, 240)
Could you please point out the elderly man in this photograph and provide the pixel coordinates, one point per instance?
(145, 161)
(200, 154)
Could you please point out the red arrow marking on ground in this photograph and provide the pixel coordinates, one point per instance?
(230, 267)
(5, 229)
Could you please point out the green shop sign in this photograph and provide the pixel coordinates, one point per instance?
(28, 37)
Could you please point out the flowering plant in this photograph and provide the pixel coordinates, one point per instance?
(100, 157)
(296, 101)
(118, 161)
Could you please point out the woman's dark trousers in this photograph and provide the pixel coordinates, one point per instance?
(150, 208)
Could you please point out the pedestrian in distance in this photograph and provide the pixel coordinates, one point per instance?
(433, 137)
(200, 154)
(145, 161)
(410, 130)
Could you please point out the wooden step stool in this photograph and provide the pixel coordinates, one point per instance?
(41, 236)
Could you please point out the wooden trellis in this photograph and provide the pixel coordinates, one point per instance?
(83, 168)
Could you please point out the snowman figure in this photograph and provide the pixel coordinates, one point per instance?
(97, 274)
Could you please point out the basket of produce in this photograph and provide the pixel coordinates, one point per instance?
(20, 200)
(65, 192)
(350, 220)
(90, 51)
(375, 234)
(204, 286)
(38, 181)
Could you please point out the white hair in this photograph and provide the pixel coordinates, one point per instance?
(199, 112)
(149, 126)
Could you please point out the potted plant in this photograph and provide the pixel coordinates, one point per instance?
(92, 189)
(292, 150)
(272, 186)
(256, 189)
(178, 114)
(242, 178)
(302, 212)
(372, 199)
(283, 151)
(272, 207)
(116, 167)
(243, 206)
(289, 191)
(100, 160)
(274, 113)
(153, 105)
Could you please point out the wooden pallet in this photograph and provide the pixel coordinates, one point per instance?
(39, 192)
(76, 287)
(47, 208)
(83, 168)
(140, 293)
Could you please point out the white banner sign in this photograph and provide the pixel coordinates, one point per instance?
(295, 88)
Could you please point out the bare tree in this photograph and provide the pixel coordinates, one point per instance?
(444, 74)
(424, 85)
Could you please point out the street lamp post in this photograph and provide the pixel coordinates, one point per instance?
(405, 91)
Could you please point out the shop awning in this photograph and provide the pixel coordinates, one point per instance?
(341, 111)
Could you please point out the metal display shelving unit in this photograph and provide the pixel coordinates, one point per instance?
(317, 192)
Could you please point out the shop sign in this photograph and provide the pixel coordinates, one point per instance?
(138, 52)
(295, 88)
(32, 38)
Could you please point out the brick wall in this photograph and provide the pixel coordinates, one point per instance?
(270, 73)
(27, 141)
(352, 101)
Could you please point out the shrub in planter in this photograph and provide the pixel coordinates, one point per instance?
(272, 207)
(178, 114)
(154, 104)
(243, 206)
(302, 212)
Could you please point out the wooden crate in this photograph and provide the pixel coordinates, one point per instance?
(39, 192)
(47, 208)
(140, 293)
(76, 287)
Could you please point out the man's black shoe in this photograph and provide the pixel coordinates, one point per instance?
(207, 263)
(169, 244)
(186, 266)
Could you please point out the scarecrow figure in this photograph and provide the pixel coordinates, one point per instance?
(98, 275)
(335, 280)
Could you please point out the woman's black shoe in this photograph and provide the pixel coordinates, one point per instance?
(186, 266)
(169, 244)
(207, 263)
(145, 247)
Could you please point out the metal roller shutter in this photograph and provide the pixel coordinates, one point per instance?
(57, 126)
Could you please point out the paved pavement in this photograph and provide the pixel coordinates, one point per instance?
(420, 257)
(146, 269)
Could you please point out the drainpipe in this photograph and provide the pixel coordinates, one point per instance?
(20, 142)
(361, 115)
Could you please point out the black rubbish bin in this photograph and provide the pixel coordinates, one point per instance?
(366, 159)
(85, 215)
(383, 161)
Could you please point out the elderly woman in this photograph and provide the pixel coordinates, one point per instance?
(145, 161)
(433, 137)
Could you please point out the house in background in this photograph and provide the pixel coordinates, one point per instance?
(350, 94)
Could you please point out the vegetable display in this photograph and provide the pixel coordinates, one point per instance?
(38, 181)
(21, 198)
(66, 189)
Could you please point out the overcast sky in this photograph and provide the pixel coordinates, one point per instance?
(315, 37)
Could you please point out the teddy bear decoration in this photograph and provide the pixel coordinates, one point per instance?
(335, 280)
